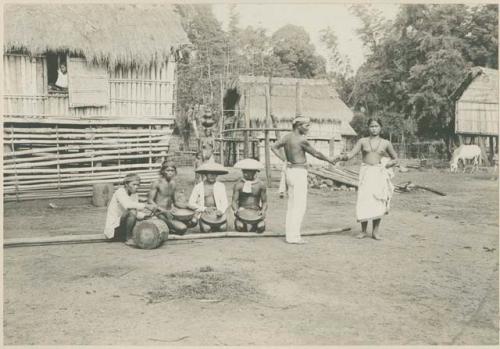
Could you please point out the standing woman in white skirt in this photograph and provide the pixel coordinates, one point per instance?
(375, 188)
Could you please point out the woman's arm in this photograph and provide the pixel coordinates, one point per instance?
(357, 148)
(392, 153)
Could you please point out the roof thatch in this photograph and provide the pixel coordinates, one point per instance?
(479, 86)
(113, 34)
(320, 100)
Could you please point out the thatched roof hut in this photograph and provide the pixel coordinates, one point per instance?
(320, 100)
(111, 34)
(476, 108)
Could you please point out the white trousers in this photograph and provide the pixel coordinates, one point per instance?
(296, 179)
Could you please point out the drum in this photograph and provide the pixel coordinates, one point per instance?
(249, 215)
(182, 214)
(212, 219)
(150, 233)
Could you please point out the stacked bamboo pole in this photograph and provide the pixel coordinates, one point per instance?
(66, 160)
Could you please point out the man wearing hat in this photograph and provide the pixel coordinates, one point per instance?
(209, 199)
(295, 147)
(124, 210)
(249, 198)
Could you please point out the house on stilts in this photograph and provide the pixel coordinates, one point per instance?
(245, 105)
(476, 110)
(117, 111)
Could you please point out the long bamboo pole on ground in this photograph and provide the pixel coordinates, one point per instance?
(94, 238)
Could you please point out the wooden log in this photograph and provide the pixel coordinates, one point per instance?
(83, 157)
(86, 141)
(80, 169)
(430, 189)
(102, 193)
(335, 177)
(162, 144)
(76, 161)
(93, 238)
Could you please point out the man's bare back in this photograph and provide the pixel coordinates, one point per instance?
(295, 146)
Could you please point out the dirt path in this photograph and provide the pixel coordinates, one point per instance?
(430, 281)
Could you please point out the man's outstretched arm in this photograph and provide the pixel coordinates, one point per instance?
(308, 148)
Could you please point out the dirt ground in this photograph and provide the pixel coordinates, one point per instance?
(432, 280)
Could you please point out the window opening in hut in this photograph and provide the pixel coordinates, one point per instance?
(57, 73)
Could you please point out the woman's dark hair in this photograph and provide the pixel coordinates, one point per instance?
(376, 120)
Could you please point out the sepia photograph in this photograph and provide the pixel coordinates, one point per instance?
(250, 173)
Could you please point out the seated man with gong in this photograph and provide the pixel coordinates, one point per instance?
(209, 199)
(249, 198)
(169, 208)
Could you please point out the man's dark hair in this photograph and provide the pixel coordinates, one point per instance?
(166, 164)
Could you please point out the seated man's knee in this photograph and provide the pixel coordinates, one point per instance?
(261, 226)
(205, 228)
(177, 227)
(192, 223)
(239, 225)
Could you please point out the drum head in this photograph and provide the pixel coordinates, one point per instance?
(211, 218)
(182, 214)
(249, 215)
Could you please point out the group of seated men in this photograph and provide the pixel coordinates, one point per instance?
(207, 205)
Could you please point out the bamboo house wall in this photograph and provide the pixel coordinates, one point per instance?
(147, 91)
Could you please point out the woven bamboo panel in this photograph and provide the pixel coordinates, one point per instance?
(48, 161)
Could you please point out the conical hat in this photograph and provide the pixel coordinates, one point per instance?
(212, 167)
(249, 164)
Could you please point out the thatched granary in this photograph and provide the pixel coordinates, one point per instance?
(319, 100)
(476, 108)
(119, 59)
(117, 112)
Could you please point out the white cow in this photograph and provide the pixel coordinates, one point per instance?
(464, 153)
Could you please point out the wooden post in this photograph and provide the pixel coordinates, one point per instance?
(14, 157)
(221, 122)
(298, 99)
(247, 124)
(58, 165)
(150, 151)
(492, 150)
(331, 150)
(266, 139)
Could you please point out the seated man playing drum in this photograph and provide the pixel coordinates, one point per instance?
(124, 210)
(249, 198)
(163, 194)
(209, 199)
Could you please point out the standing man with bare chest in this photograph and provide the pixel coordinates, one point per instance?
(295, 147)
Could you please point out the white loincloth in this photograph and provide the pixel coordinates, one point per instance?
(375, 191)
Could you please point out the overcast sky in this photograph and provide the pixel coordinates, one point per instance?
(313, 17)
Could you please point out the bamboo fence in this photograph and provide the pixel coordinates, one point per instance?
(63, 161)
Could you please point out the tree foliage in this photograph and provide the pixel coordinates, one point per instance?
(418, 61)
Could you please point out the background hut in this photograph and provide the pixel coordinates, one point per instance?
(476, 109)
(117, 111)
(245, 104)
